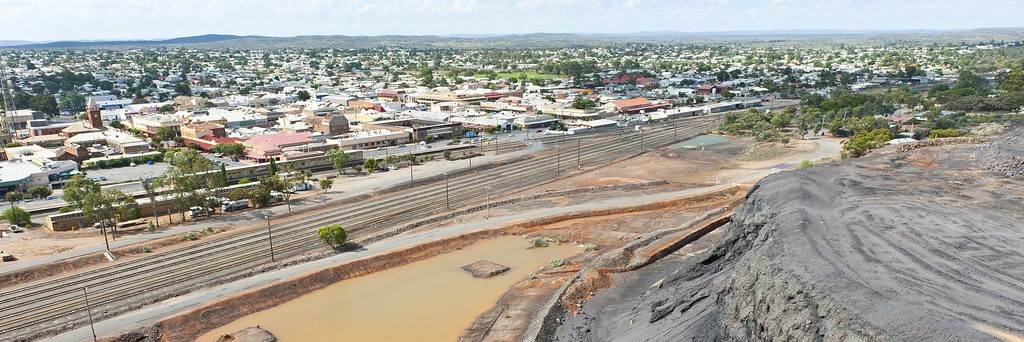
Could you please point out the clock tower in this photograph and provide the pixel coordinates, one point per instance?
(93, 118)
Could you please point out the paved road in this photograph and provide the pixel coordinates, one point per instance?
(152, 313)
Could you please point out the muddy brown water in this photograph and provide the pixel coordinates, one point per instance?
(430, 300)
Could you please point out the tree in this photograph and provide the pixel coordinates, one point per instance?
(370, 164)
(303, 95)
(18, 216)
(338, 158)
(40, 192)
(14, 196)
(272, 166)
(1014, 81)
(333, 235)
(76, 190)
(109, 207)
(166, 133)
(583, 103)
(72, 102)
(967, 79)
(191, 178)
(231, 149)
(182, 88)
(150, 188)
(44, 103)
(864, 141)
(391, 160)
(558, 126)
(326, 184)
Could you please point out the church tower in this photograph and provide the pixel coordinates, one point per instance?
(93, 118)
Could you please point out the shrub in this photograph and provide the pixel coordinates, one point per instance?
(18, 216)
(190, 236)
(806, 164)
(539, 242)
(333, 235)
(590, 247)
(558, 263)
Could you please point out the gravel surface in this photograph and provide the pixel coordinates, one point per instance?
(919, 245)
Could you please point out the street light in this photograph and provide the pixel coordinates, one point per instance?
(88, 309)
(270, 237)
(447, 199)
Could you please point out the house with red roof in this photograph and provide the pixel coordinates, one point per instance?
(635, 105)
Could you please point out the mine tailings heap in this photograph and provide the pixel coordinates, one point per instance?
(919, 244)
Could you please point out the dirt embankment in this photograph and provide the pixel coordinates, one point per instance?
(919, 244)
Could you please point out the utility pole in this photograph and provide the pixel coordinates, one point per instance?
(103, 227)
(558, 165)
(447, 199)
(641, 141)
(88, 309)
(701, 157)
(411, 160)
(578, 167)
(270, 237)
(488, 201)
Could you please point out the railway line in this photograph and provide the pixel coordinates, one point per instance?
(44, 308)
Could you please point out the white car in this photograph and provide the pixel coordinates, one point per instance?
(15, 229)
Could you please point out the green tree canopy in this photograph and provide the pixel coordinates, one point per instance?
(1014, 81)
(18, 216)
(338, 158)
(333, 235)
(40, 192)
(76, 190)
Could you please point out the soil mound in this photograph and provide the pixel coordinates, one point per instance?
(873, 249)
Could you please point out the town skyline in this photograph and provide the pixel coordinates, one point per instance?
(68, 20)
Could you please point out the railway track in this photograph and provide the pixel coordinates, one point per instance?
(51, 306)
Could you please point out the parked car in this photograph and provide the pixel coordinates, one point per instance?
(234, 159)
(15, 229)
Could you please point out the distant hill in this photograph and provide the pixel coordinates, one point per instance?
(544, 40)
(207, 38)
(13, 42)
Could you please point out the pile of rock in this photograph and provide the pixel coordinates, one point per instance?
(1005, 155)
(485, 269)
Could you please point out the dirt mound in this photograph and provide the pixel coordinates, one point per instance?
(875, 249)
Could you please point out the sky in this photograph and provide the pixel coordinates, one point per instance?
(56, 20)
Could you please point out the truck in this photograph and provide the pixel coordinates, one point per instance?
(199, 211)
(227, 206)
(302, 186)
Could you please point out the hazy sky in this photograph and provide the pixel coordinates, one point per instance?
(48, 20)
